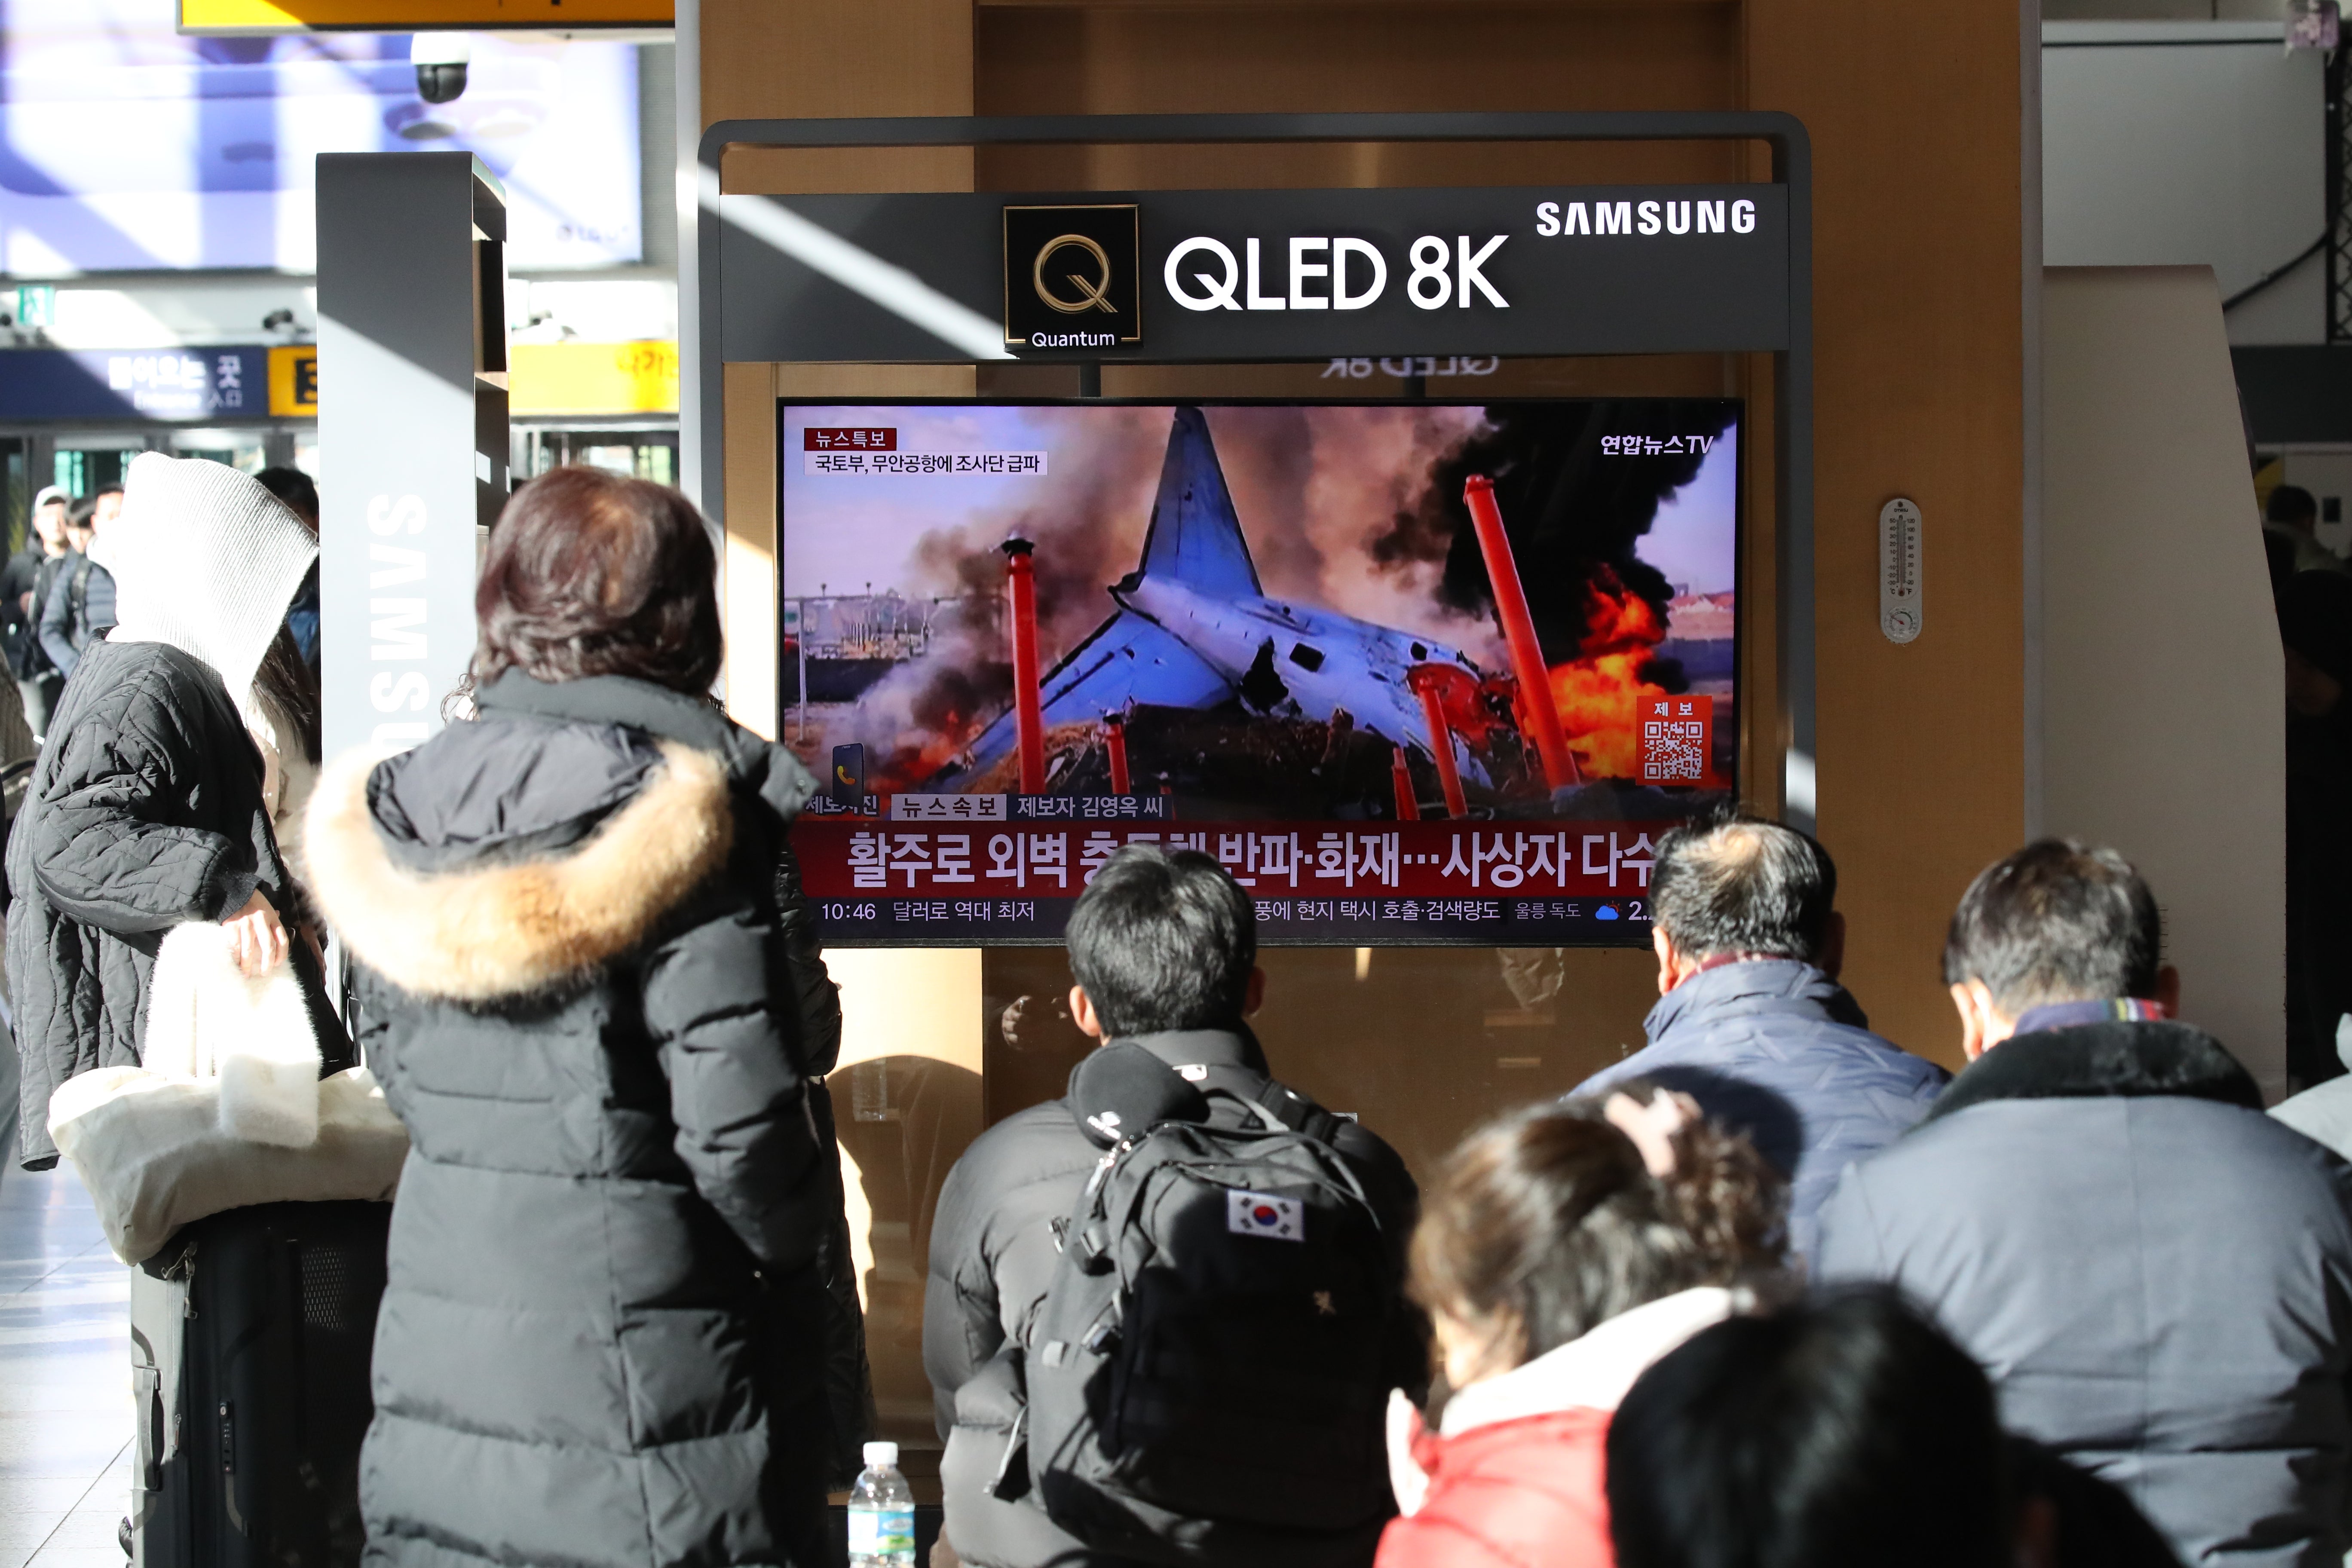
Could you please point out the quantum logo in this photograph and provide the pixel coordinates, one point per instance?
(1062, 263)
(1090, 295)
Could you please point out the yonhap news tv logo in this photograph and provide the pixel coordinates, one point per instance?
(1071, 277)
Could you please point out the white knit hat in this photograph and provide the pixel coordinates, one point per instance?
(205, 560)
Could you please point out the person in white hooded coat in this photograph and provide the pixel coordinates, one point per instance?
(150, 806)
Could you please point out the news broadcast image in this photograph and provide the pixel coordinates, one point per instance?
(1465, 660)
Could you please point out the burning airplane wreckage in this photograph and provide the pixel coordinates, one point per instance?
(1201, 686)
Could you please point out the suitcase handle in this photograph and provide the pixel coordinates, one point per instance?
(229, 1469)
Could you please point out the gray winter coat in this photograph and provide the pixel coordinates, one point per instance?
(1775, 1049)
(599, 1346)
(2157, 1276)
(146, 811)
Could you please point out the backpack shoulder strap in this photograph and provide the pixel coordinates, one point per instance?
(1300, 1114)
(1276, 1103)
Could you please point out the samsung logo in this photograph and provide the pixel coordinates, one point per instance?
(1645, 218)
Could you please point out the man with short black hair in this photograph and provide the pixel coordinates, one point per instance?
(1751, 1022)
(1163, 946)
(2292, 517)
(2158, 1277)
(79, 608)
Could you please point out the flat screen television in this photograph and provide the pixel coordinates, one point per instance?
(1414, 672)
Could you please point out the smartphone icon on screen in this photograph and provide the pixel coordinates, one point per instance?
(849, 778)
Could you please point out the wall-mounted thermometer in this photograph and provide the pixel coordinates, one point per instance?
(1898, 570)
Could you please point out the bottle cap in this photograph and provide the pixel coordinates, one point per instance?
(881, 1453)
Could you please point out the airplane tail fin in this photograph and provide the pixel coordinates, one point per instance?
(1195, 535)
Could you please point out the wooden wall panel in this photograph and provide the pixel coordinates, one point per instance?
(1133, 59)
(1919, 335)
(747, 568)
(1115, 58)
(777, 58)
(827, 171)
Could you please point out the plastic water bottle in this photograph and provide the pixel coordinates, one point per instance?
(881, 1512)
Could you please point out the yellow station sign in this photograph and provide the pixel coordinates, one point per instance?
(294, 381)
(542, 379)
(592, 378)
(416, 16)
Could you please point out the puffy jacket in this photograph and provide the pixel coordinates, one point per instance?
(49, 578)
(1775, 1049)
(598, 1345)
(830, 1285)
(2156, 1277)
(993, 1256)
(78, 610)
(146, 811)
(1513, 1477)
(1518, 1494)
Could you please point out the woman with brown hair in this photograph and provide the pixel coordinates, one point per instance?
(574, 985)
(1566, 1248)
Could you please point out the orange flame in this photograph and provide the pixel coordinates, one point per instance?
(1599, 693)
(918, 754)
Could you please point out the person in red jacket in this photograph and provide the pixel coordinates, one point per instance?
(1567, 1248)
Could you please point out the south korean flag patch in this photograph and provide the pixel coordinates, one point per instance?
(1262, 1214)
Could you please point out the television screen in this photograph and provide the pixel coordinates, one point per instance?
(126, 145)
(1414, 672)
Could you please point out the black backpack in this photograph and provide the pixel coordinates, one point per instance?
(1208, 1372)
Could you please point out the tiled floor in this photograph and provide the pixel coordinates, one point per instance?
(65, 1378)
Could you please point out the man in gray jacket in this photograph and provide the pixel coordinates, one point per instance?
(1751, 1022)
(2157, 1276)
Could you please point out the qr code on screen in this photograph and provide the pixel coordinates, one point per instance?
(1672, 751)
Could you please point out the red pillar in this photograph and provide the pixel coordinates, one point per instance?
(1401, 778)
(1441, 748)
(1519, 634)
(1115, 742)
(1028, 718)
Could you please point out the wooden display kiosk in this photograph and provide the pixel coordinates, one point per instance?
(1916, 302)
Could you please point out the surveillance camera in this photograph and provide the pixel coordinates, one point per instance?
(440, 84)
(440, 61)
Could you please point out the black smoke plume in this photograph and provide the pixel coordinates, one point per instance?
(1571, 510)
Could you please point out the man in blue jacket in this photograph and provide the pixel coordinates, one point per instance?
(1751, 1022)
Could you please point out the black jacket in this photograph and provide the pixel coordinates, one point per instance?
(146, 811)
(993, 1256)
(2156, 1277)
(578, 995)
(78, 610)
(19, 633)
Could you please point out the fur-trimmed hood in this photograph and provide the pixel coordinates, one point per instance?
(2105, 1060)
(508, 855)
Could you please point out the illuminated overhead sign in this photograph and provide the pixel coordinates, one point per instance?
(1233, 276)
(416, 16)
(294, 381)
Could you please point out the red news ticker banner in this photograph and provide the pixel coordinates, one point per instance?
(861, 858)
(850, 439)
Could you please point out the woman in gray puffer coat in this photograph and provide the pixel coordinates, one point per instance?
(575, 988)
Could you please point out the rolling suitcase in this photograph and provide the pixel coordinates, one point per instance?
(250, 1336)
